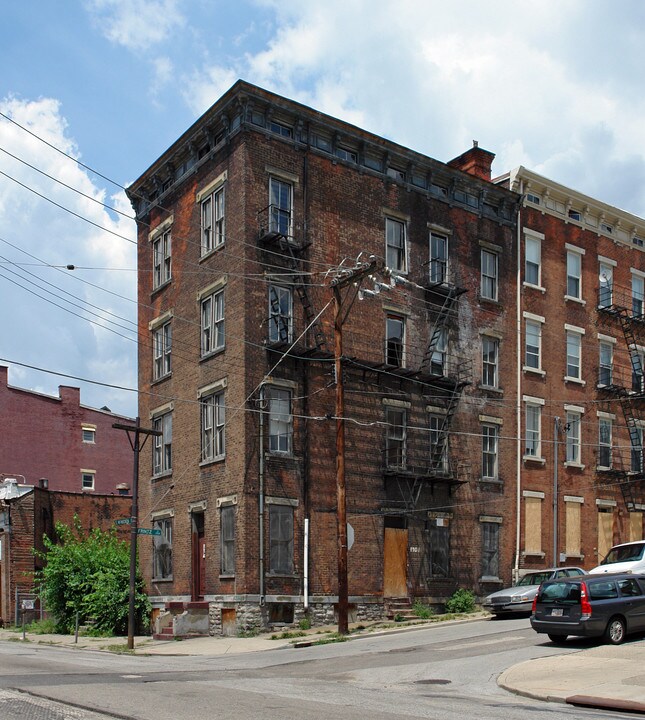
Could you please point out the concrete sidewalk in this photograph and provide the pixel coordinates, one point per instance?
(605, 676)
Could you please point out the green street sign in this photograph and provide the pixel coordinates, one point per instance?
(123, 521)
(148, 531)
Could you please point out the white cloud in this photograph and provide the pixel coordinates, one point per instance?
(57, 321)
(136, 24)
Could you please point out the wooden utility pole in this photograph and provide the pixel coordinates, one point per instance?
(348, 277)
(133, 436)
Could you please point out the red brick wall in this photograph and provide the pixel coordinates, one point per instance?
(42, 438)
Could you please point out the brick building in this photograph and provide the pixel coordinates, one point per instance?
(244, 225)
(580, 374)
(71, 446)
(26, 514)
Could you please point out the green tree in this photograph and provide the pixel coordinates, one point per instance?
(89, 573)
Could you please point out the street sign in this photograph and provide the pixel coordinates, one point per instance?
(148, 531)
(350, 536)
(123, 521)
(28, 604)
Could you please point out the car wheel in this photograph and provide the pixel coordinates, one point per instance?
(615, 631)
(557, 638)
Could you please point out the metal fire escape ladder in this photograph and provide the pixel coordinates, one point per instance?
(300, 289)
(627, 406)
(441, 321)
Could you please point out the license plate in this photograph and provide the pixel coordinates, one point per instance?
(556, 612)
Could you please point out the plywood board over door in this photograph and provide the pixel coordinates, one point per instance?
(395, 562)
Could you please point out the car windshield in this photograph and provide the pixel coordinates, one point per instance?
(624, 553)
(536, 578)
(560, 592)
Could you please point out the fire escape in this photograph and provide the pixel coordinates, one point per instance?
(275, 235)
(423, 457)
(628, 388)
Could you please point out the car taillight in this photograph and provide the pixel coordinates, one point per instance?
(534, 605)
(585, 606)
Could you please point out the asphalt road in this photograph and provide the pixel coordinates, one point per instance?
(447, 672)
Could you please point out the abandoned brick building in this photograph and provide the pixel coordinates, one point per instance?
(249, 226)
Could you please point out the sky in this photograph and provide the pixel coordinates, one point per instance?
(93, 91)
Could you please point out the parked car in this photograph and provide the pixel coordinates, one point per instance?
(519, 598)
(626, 557)
(609, 606)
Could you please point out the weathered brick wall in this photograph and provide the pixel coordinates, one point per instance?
(42, 438)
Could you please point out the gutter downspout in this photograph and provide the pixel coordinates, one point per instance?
(305, 590)
(518, 453)
(261, 498)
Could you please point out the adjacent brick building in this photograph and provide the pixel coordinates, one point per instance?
(580, 374)
(60, 443)
(244, 225)
(26, 515)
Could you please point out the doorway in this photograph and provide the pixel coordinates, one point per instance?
(395, 558)
(198, 552)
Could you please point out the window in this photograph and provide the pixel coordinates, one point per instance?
(87, 479)
(439, 547)
(439, 352)
(489, 275)
(395, 340)
(532, 261)
(573, 437)
(606, 363)
(638, 364)
(490, 355)
(280, 129)
(396, 173)
(490, 436)
(395, 437)
(162, 447)
(638, 295)
(280, 314)
(162, 549)
(575, 215)
(605, 294)
(438, 443)
(395, 251)
(213, 221)
(490, 549)
(636, 437)
(438, 258)
(572, 525)
(161, 259)
(213, 323)
(574, 274)
(345, 154)
(280, 206)
(227, 540)
(574, 349)
(604, 442)
(213, 425)
(161, 348)
(89, 435)
(533, 427)
(280, 420)
(531, 197)
(533, 341)
(281, 539)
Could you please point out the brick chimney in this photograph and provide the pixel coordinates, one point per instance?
(69, 395)
(475, 161)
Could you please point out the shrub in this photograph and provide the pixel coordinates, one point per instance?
(89, 574)
(304, 623)
(462, 601)
(422, 611)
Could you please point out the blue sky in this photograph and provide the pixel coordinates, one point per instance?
(556, 86)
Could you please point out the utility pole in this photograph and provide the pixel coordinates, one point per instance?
(348, 277)
(134, 434)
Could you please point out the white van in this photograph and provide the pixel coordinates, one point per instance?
(626, 557)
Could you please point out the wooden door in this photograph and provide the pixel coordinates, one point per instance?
(395, 562)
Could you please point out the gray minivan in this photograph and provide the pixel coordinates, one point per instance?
(609, 606)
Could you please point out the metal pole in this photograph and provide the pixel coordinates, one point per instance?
(134, 523)
(556, 430)
(343, 628)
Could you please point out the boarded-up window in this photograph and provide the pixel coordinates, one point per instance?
(532, 525)
(635, 526)
(605, 532)
(162, 549)
(281, 539)
(227, 539)
(572, 530)
(438, 548)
